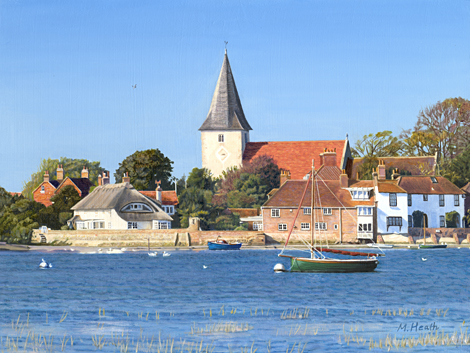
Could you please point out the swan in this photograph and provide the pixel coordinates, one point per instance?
(166, 253)
(43, 264)
(153, 253)
(423, 259)
(204, 266)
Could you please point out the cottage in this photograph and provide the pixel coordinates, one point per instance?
(119, 206)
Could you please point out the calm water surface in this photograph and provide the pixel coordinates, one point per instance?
(136, 303)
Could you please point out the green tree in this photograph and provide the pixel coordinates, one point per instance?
(72, 168)
(196, 199)
(381, 144)
(453, 220)
(62, 204)
(250, 191)
(457, 170)
(19, 219)
(146, 167)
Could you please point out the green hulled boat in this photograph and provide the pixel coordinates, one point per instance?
(432, 246)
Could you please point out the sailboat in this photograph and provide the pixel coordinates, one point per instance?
(429, 246)
(318, 262)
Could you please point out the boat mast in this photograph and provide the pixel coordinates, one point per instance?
(424, 229)
(312, 213)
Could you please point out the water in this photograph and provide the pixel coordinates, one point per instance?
(118, 301)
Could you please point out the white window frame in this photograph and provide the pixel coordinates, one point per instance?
(43, 189)
(282, 226)
(257, 225)
(442, 201)
(98, 224)
(392, 201)
(275, 212)
(442, 221)
(456, 200)
(327, 211)
(304, 226)
(364, 227)
(221, 138)
(132, 225)
(307, 210)
(321, 226)
(425, 197)
(410, 200)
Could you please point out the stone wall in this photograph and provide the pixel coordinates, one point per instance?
(436, 235)
(141, 238)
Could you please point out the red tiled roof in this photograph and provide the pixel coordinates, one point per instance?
(330, 191)
(387, 186)
(329, 172)
(295, 156)
(169, 197)
(425, 165)
(245, 212)
(361, 183)
(424, 185)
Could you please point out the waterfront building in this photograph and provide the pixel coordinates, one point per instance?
(119, 206)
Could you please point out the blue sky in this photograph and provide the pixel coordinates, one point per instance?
(305, 70)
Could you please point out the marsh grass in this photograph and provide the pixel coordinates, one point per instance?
(226, 327)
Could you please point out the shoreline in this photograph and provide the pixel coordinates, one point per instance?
(94, 249)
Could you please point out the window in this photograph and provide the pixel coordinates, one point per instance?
(257, 225)
(43, 189)
(441, 201)
(161, 225)
(304, 226)
(394, 222)
(221, 138)
(81, 225)
(364, 227)
(282, 226)
(109, 225)
(409, 200)
(327, 211)
(410, 221)
(307, 210)
(442, 221)
(136, 207)
(98, 224)
(365, 211)
(169, 209)
(456, 200)
(360, 194)
(320, 225)
(434, 180)
(131, 225)
(425, 197)
(275, 212)
(336, 227)
(393, 199)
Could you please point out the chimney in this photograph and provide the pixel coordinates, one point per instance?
(328, 158)
(46, 176)
(381, 170)
(126, 178)
(343, 179)
(85, 172)
(285, 175)
(60, 173)
(158, 193)
(395, 174)
(375, 176)
(100, 180)
(105, 180)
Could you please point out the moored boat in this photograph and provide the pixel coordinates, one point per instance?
(432, 246)
(221, 244)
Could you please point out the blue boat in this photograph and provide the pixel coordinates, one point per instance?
(221, 244)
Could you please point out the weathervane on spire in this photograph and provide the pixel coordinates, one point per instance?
(225, 46)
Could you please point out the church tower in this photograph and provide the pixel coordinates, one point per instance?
(225, 131)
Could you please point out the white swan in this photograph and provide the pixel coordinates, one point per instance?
(43, 264)
(166, 253)
(153, 253)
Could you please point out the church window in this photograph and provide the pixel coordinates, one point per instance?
(221, 137)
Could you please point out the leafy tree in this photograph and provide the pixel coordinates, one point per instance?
(452, 220)
(146, 167)
(250, 191)
(6, 199)
(72, 168)
(19, 219)
(61, 207)
(442, 128)
(458, 169)
(381, 144)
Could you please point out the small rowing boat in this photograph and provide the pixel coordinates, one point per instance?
(221, 244)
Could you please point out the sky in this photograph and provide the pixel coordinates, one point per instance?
(304, 70)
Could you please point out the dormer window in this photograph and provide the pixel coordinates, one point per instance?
(360, 194)
(434, 180)
(136, 207)
(221, 137)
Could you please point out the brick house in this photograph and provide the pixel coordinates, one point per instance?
(344, 209)
(49, 188)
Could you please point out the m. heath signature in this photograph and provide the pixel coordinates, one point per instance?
(416, 327)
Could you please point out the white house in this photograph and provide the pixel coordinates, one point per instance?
(119, 206)
(397, 199)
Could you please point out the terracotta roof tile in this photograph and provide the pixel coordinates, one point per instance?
(245, 212)
(331, 195)
(169, 197)
(361, 183)
(388, 186)
(295, 156)
(424, 185)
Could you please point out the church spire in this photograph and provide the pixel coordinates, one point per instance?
(226, 112)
